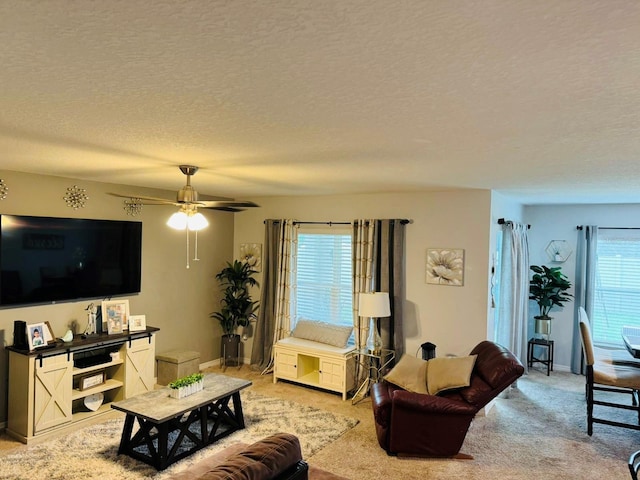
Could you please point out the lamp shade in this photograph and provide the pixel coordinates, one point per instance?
(374, 304)
(178, 221)
(197, 221)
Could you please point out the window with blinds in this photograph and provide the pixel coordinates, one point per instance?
(617, 289)
(323, 278)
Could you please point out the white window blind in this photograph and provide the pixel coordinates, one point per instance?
(617, 290)
(323, 289)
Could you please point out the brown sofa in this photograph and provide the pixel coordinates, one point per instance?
(436, 425)
(277, 457)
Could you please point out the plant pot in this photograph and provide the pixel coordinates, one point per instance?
(187, 390)
(543, 327)
(230, 350)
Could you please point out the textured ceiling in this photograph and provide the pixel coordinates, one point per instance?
(535, 99)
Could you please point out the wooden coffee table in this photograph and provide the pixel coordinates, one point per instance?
(171, 429)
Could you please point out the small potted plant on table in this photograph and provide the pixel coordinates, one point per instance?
(238, 309)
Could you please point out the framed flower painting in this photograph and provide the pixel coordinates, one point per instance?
(445, 266)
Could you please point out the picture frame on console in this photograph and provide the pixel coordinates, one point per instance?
(115, 313)
(137, 323)
(36, 336)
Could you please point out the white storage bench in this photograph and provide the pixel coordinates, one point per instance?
(315, 364)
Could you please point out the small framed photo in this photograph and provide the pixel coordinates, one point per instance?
(115, 313)
(36, 335)
(90, 380)
(137, 323)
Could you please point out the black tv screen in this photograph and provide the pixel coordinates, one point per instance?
(49, 260)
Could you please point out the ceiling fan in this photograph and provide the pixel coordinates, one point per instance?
(187, 217)
(187, 198)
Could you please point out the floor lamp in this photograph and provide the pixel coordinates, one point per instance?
(374, 305)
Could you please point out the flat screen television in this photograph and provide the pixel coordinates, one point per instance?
(49, 260)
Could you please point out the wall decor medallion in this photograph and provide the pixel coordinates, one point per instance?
(133, 206)
(251, 253)
(445, 266)
(3, 189)
(76, 197)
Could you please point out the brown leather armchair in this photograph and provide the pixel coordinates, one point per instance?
(436, 425)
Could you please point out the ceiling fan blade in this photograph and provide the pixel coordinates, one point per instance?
(226, 209)
(147, 200)
(222, 203)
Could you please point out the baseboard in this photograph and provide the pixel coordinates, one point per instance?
(217, 362)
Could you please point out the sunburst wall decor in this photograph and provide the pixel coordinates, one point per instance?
(76, 197)
(3, 190)
(133, 206)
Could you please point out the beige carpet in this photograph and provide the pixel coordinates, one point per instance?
(92, 453)
(539, 432)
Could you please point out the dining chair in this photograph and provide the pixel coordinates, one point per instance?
(634, 464)
(605, 376)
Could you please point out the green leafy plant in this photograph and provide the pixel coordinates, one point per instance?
(548, 287)
(185, 381)
(238, 309)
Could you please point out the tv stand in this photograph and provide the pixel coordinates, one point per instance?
(48, 388)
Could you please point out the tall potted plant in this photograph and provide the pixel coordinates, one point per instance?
(548, 288)
(237, 307)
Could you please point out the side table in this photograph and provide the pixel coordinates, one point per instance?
(544, 344)
(373, 363)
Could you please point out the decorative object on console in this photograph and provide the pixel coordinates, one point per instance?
(137, 323)
(93, 401)
(35, 335)
(187, 217)
(374, 305)
(76, 197)
(132, 206)
(548, 288)
(115, 313)
(20, 335)
(92, 380)
(445, 266)
(238, 309)
(3, 189)
(251, 253)
(68, 337)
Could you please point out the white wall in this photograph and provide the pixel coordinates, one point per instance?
(559, 222)
(175, 299)
(454, 318)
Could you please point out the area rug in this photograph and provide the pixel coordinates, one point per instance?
(92, 453)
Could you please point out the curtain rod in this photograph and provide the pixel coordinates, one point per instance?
(579, 227)
(403, 221)
(502, 221)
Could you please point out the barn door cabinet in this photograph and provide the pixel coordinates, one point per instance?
(60, 387)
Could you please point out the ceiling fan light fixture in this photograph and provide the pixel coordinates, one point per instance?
(197, 221)
(178, 221)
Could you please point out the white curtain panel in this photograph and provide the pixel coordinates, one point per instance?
(511, 330)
